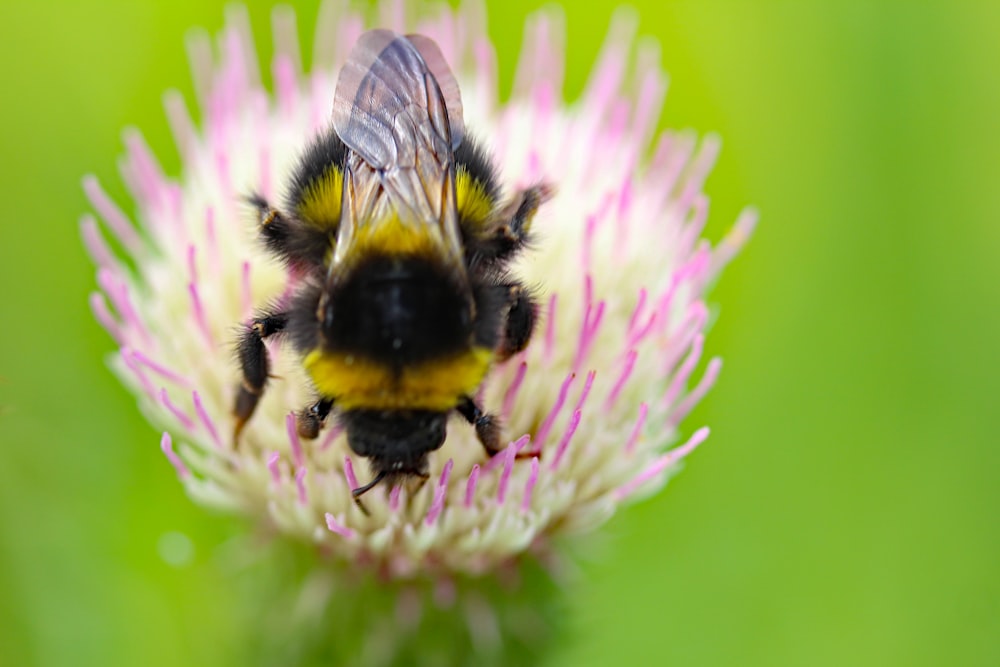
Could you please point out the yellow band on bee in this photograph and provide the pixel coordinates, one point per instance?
(391, 236)
(319, 204)
(471, 199)
(438, 385)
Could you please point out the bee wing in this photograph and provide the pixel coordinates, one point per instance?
(398, 108)
(385, 100)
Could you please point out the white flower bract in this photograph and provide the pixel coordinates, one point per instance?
(619, 266)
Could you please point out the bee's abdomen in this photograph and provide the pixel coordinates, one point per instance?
(398, 333)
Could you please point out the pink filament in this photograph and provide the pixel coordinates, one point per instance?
(293, 439)
(437, 505)
(130, 362)
(627, 368)
(336, 527)
(272, 465)
(445, 472)
(589, 231)
(181, 125)
(610, 68)
(734, 240)
(543, 430)
(96, 246)
(498, 458)
(117, 291)
(100, 309)
(693, 323)
(661, 464)
(589, 333)
(639, 305)
(300, 485)
(159, 369)
(574, 421)
(550, 326)
(352, 481)
(148, 174)
(636, 337)
(633, 439)
(470, 486)
(529, 486)
(285, 83)
(192, 262)
(245, 294)
(205, 419)
(508, 468)
(210, 239)
(199, 314)
(651, 93)
(511, 394)
(684, 372)
(116, 220)
(331, 436)
(692, 399)
(168, 449)
(587, 385)
(708, 152)
(485, 58)
(185, 421)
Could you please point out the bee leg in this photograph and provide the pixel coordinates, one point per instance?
(310, 420)
(362, 490)
(289, 239)
(522, 210)
(487, 425)
(254, 365)
(522, 313)
(271, 224)
(514, 231)
(488, 429)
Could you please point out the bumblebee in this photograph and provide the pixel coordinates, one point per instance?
(394, 221)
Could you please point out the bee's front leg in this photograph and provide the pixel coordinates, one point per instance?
(309, 421)
(508, 230)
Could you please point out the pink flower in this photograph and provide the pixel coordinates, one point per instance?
(614, 367)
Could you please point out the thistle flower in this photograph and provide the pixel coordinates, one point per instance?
(597, 397)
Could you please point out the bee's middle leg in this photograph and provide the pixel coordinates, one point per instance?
(522, 313)
(255, 366)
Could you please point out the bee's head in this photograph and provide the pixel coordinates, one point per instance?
(395, 442)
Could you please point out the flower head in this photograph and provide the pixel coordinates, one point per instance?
(591, 408)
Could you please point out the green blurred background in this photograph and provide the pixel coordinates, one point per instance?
(845, 510)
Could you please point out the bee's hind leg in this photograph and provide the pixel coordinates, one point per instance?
(488, 429)
(487, 425)
(255, 366)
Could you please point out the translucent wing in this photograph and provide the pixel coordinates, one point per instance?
(399, 110)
